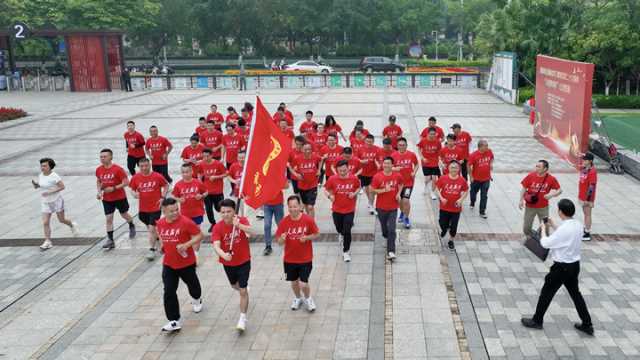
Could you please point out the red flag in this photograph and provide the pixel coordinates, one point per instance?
(266, 163)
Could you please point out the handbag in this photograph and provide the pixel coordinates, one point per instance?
(530, 198)
(533, 244)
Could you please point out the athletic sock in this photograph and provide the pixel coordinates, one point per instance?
(130, 224)
(110, 235)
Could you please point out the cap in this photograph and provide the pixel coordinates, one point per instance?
(456, 126)
(587, 156)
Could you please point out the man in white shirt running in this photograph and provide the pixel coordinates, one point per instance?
(564, 244)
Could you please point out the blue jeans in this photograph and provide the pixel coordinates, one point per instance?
(271, 211)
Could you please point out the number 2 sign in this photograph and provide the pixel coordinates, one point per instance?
(20, 30)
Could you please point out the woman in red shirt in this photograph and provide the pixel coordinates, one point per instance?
(332, 127)
(452, 189)
(587, 192)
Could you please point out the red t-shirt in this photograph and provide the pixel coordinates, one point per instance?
(406, 161)
(211, 140)
(383, 154)
(430, 151)
(292, 156)
(157, 147)
(463, 140)
(199, 130)
(387, 200)
(352, 136)
(217, 118)
(369, 153)
(173, 233)
(191, 207)
(136, 140)
(333, 154)
(307, 126)
(277, 200)
(207, 170)
(297, 252)
(587, 178)
(112, 176)
(190, 153)
(534, 183)
(244, 133)
(235, 172)
(318, 140)
(149, 188)
(439, 132)
(447, 155)
(481, 163)
(232, 145)
(289, 133)
(341, 188)
(354, 165)
(232, 118)
(308, 168)
(392, 132)
(357, 145)
(277, 117)
(451, 190)
(222, 232)
(333, 129)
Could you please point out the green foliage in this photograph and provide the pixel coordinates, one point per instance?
(525, 93)
(450, 63)
(617, 102)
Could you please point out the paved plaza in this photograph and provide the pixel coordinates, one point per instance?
(77, 302)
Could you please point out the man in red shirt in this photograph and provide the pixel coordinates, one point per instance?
(179, 236)
(192, 153)
(406, 163)
(158, 149)
(387, 184)
(233, 143)
(354, 164)
(319, 137)
(342, 190)
(244, 131)
(330, 154)
(297, 231)
(537, 188)
(463, 142)
(232, 116)
(150, 188)
(235, 174)
(306, 170)
(359, 126)
(480, 167)
(281, 114)
(190, 193)
(212, 173)
(450, 152)
(245, 114)
(111, 180)
(287, 113)
(216, 117)
(392, 131)
(587, 192)
(452, 189)
(299, 142)
(212, 139)
(368, 156)
(202, 126)
(230, 239)
(284, 127)
(430, 148)
(385, 151)
(432, 125)
(308, 125)
(357, 142)
(135, 146)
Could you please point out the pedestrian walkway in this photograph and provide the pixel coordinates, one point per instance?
(430, 303)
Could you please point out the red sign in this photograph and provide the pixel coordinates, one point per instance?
(563, 106)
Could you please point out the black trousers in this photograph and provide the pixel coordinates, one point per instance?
(170, 278)
(127, 84)
(210, 202)
(132, 162)
(483, 188)
(388, 224)
(464, 170)
(448, 222)
(164, 171)
(344, 223)
(567, 275)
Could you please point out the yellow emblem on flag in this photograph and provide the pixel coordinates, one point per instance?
(277, 149)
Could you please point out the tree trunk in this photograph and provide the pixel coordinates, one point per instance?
(607, 85)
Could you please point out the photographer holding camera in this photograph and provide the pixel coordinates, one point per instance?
(564, 243)
(537, 188)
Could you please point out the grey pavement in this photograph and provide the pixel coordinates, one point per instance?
(430, 303)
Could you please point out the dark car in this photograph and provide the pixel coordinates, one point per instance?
(380, 63)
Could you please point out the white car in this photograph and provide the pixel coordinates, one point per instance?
(308, 65)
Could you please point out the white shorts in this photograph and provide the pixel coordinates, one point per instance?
(53, 207)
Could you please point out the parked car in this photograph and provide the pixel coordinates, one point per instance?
(308, 65)
(380, 63)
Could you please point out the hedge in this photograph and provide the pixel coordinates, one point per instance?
(603, 102)
(449, 63)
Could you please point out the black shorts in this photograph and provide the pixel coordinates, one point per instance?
(298, 271)
(429, 171)
(239, 274)
(365, 180)
(309, 196)
(110, 206)
(406, 192)
(149, 218)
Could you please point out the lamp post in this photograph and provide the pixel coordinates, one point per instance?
(434, 33)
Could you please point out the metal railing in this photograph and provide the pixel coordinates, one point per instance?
(30, 82)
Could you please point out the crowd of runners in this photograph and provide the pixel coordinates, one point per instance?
(342, 165)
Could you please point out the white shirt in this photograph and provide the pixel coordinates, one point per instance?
(48, 183)
(565, 242)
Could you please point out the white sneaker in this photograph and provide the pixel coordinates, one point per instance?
(46, 245)
(197, 305)
(260, 213)
(242, 323)
(391, 256)
(346, 257)
(433, 196)
(311, 306)
(172, 326)
(74, 228)
(295, 304)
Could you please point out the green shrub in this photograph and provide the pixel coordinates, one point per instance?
(448, 63)
(617, 102)
(525, 93)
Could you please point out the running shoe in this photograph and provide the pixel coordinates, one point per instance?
(483, 215)
(407, 223)
(267, 251)
(391, 256)
(295, 304)
(586, 236)
(74, 228)
(311, 306)
(132, 231)
(433, 196)
(260, 213)
(451, 245)
(151, 254)
(242, 323)
(346, 257)
(197, 305)
(109, 244)
(46, 245)
(401, 218)
(172, 326)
